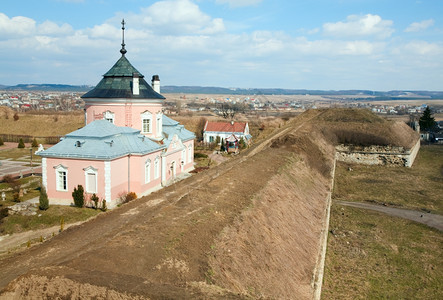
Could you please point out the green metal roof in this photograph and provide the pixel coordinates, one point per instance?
(117, 83)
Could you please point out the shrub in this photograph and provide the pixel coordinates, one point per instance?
(104, 207)
(8, 179)
(34, 143)
(1, 142)
(43, 199)
(16, 197)
(95, 199)
(242, 144)
(79, 196)
(200, 155)
(16, 117)
(21, 144)
(130, 196)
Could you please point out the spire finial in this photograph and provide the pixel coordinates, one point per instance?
(123, 50)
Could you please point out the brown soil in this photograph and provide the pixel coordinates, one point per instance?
(248, 228)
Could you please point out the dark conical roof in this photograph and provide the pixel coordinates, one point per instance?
(117, 83)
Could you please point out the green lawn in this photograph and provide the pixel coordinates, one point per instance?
(419, 187)
(44, 219)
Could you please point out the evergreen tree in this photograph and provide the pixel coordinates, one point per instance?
(21, 144)
(43, 199)
(427, 121)
(222, 146)
(34, 143)
(79, 196)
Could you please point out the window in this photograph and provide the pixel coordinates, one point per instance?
(91, 186)
(146, 118)
(157, 167)
(91, 180)
(159, 125)
(109, 116)
(211, 139)
(146, 126)
(148, 171)
(62, 180)
(61, 177)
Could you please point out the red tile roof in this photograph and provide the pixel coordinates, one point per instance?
(225, 126)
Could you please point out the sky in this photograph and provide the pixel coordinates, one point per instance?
(296, 44)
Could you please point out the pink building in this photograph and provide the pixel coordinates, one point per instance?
(127, 145)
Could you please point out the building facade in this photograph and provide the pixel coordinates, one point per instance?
(127, 144)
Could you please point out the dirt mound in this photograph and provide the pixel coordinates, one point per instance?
(361, 127)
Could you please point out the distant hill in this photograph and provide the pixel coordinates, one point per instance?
(358, 94)
(47, 87)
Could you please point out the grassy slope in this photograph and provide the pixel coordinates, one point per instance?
(375, 256)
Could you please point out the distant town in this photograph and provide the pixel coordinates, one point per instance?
(388, 103)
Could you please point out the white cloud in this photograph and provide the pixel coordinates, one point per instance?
(51, 28)
(16, 26)
(180, 17)
(419, 26)
(360, 26)
(239, 3)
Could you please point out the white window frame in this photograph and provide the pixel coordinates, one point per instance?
(59, 170)
(91, 171)
(157, 167)
(148, 171)
(146, 116)
(109, 116)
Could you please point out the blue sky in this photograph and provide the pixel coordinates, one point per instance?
(299, 44)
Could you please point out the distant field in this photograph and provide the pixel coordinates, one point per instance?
(40, 125)
(371, 255)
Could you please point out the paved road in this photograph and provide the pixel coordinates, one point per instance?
(432, 220)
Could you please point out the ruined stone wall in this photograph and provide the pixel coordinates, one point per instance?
(378, 155)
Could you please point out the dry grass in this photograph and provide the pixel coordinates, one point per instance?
(374, 256)
(419, 187)
(41, 125)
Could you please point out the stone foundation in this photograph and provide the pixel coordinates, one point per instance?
(378, 155)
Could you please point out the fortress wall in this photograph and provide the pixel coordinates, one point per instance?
(378, 155)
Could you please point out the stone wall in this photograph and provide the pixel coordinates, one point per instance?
(378, 155)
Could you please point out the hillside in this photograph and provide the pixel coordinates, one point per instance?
(248, 228)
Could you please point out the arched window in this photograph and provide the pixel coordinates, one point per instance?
(148, 171)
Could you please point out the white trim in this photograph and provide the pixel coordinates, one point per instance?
(58, 170)
(157, 167)
(109, 116)
(159, 124)
(108, 181)
(146, 115)
(44, 175)
(147, 170)
(93, 171)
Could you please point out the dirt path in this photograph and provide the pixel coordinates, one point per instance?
(432, 220)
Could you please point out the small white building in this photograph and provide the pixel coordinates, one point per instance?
(223, 130)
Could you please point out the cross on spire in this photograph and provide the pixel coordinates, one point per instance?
(123, 50)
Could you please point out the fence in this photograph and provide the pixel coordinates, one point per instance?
(15, 138)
